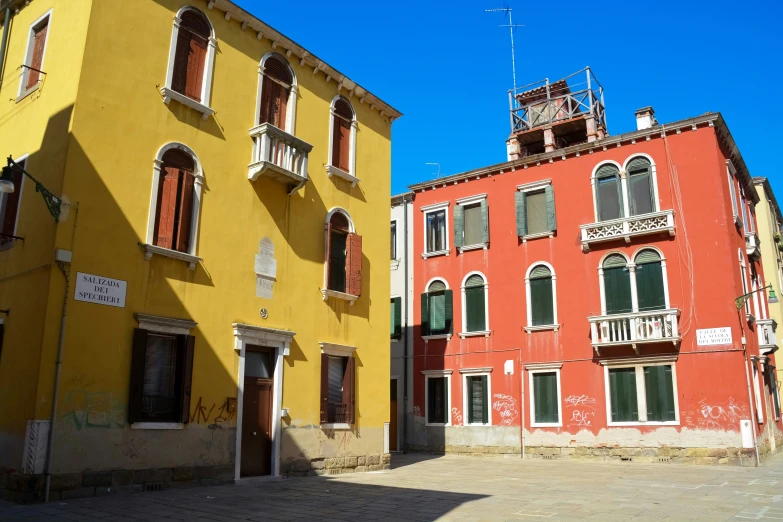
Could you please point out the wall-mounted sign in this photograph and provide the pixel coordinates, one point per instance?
(713, 336)
(100, 290)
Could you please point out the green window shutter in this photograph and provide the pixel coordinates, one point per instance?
(475, 315)
(484, 221)
(640, 189)
(477, 399)
(649, 286)
(392, 328)
(545, 397)
(541, 301)
(425, 313)
(536, 209)
(485, 400)
(519, 198)
(449, 311)
(469, 393)
(609, 196)
(550, 208)
(459, 226)
(622, 392)
(660, 393)
(437, 313)
(617, 290)
(397, 317)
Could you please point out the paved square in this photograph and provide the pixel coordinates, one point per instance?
(422, 487)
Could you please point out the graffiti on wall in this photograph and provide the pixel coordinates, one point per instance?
(218, 414)
(506, 406)
(456, 417)
(716, 416)
(86, 409)
(417, 412)
(581, 418)
(578, 400)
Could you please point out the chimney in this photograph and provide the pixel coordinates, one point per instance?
(645, 118)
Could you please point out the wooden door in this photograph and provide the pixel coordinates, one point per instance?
(393, 416)
(256, 458)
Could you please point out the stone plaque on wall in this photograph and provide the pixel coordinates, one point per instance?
(265, 267)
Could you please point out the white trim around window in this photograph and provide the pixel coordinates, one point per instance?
(437, 374)
(594, 185)
(332, 170)
(631, 264)
(290, 110)
(555, 326)
(653, 173)
(641, 392)
(21, 160)
(486, 331)
(206, 87)
(436, 208)
(471, 200)
(22, 92)
(533, 369)
(189, 257)
(476, 372)
(535, 186)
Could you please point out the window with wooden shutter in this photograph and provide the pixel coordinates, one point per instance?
(437, 310)
(35, 62)
(353, 268)
(275, 91)
(622, 395)
(659, 391)
(649, 281)
(437, 400)
(459, 226)
(396, 317)
(160, 380)
(473, 229)
(551, 217)
(541, 297)
(536, 210)
(9, 206)
(174, 212)
(324, 388)
(520, 199)
(477, 399)
(617, 285)
(640, 188)
(475, 305)
(337, 257)
(609, 196)
(545, 401)
(190, 56)
(342, 120)
(349, 390)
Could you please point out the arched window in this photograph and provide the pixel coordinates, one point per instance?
(608, 193)
(277, 85)
(474, 304)
(617, 285)
(650, 287)
(176, 196)
(744, 275)
(343, 256)
(342, 152)
(191, 60)
(541, 305)
(641, 195)
(436, 309)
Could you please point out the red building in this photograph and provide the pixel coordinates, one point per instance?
(578, 301)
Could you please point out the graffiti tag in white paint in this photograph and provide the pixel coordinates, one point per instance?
(417, 412)
(713, 416)
(506, 406)
(578, 400)
(456, 417)
(581, 418)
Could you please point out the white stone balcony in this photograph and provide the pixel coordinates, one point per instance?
(627, 227)
(634, 328)
(752, 245)
(768, 343)
(278, 155)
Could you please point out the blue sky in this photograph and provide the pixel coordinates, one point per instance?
(446, 66)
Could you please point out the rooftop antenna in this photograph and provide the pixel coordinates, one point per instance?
(511, 26)
(438, 164)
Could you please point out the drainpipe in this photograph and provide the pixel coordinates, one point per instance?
(4, 41)
(522, 404)
(406, 358)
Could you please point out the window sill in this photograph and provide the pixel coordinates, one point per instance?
(149, 250)
(476, 425)
(169, 95)
(24, 94)
(541, 328)
(326, 293)
(428, 338)
(546, 425)
(157, 426)
(483, 333)
(335, 426)
(436, 424)
(331, 170)
(643, 423)
(479, 246)
(541, 235)
(436, 253)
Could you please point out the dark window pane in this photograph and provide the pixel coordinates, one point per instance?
(475, 312)
(649, 286)
(337, 262)
(258, 364)
(659, 390)
(641, 193)
(393, 389)
(536, 213)
(545, 397)
(394, 240)
(609, 203)
(617, 290)
(622, 392)
(477, 399)
(437, 400)
(472, 224)
(541, 303)
(436, 231)
(159, 398)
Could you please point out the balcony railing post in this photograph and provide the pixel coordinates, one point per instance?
(675, 327)
(594, 332)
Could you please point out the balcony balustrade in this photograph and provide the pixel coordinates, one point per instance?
(752, 245)
(627, 227)
(634, 328)
(765, 328)
(278, 155)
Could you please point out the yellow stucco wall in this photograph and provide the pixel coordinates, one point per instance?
(119, 124)
(771, 257)
(35, 126)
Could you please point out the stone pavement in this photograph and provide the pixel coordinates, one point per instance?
(423, 487)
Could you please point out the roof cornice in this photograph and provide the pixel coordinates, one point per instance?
(289, 47)
(711, 119)
(764, 182)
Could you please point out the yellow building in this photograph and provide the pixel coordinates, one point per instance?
(768, 241)
(222, 236)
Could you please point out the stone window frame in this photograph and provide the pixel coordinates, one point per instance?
(437, 374)
(533, 369)
(476, 372)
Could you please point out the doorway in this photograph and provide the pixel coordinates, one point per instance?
(256, 457)
(393, 415)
